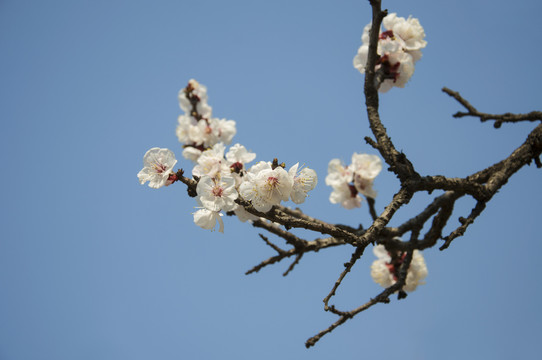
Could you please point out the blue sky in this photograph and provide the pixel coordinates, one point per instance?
(95, 266)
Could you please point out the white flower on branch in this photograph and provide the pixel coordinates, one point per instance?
(184, 128)
(191, 153)
(196, 129)
(244, 215)
(207, 219)
(362, 172)
(157, 167)
(304, 181)
(346, 195)
(217, 193)
(337, 173)
(239, 154)
(408, 30)
(385, 270)
(211, 162)
(197, 92)
(399, 47)
(222, 131)
(339, 178)
(366, 168)
(265, 186)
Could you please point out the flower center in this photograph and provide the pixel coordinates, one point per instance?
(390, 71)
(218, 191)
(353, 190)
(272, 182)
(387, 35)
(236, 167)
(159, 168)
(395, 264)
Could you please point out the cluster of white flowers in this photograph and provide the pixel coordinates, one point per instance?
(385, 269)
(221, 177)
(197, 129)
(399, 47)
(350, 181)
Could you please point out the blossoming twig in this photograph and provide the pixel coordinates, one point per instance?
(222, 181)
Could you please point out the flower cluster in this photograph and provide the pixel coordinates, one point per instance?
(219, 179)
(267, 184)
(399, 47)
(385, 269)
(223, 177)
(350, 181)
(197, 129)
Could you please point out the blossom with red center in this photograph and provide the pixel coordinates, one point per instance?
(398, 48)
(265, 186)
(157, 167)
(196, 129)
(351, 181)
(212, 162)
(217, 193)
(385, 270)
(366, 168)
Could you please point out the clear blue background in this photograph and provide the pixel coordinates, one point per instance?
(95, 266)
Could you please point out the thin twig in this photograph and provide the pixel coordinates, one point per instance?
(292, 265)
(347, 267)
(499, 119)
(465, 222)
(275, 247)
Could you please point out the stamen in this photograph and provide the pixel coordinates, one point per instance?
(218, 191)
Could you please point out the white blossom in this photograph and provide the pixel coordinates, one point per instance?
(337, 173)
(360, 60)
(222, 131)
(304, 181)
(191, 153)
(207, 219)
(244, 215)
(184, 102)
(384, 270)
(349, 181)
(211, 162)
(365, 167)
(265, 186)
(157, 166)
(403, 65)
(399, 47)
(199, 91)
(345, 195)
(185, 126)
(409, 31)
(204, 110)
(239, 154)
(339, 178)
(202, 134)
(218, 193)
(197, 129)
(379, 270)
(364, 186)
